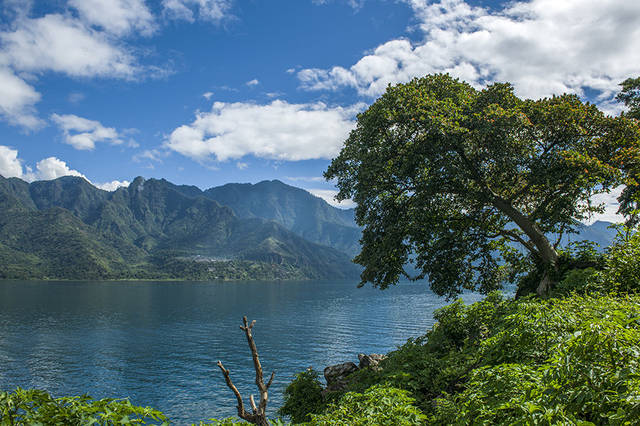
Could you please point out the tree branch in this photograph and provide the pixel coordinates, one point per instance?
(234, 389)
(259, 416)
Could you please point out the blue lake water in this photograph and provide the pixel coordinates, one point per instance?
(158, 342)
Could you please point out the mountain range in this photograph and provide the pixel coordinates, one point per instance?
(68, 229)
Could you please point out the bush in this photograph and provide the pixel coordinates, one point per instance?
(592, 372)
(303, 397)
(621, 273)
(38, 407)
(379, 405)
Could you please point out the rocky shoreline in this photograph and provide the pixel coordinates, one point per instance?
(337, 376)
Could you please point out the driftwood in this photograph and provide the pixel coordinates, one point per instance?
(258, 416)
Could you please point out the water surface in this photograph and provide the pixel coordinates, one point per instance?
(158, 342)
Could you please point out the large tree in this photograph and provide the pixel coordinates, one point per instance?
(451, 179)
(630, 197)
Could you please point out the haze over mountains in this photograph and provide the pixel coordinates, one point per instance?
(68, 229)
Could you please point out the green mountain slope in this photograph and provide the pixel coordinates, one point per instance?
(66, 228)
(296, 209)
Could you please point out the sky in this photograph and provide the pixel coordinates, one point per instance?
(206, 92)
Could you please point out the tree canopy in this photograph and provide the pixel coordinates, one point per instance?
(630, 96)
(452, 179)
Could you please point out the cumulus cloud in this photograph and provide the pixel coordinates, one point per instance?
(207, 95)
(188, 10)
(329, 195)
(253, 82)
(10, 165)
(113, 185)
(277, 131)
(82, 133)
(17, 100)
(119, 17)
(543, 47)
(87, 44)
(45, 169)
(63, 44)
(52, 168)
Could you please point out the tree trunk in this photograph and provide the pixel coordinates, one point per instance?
(545, 251)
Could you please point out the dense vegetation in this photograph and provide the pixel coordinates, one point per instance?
(68, 229)
(452, 180)
(573, 358)
(448, 177)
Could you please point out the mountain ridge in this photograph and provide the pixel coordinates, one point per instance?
(151, 229)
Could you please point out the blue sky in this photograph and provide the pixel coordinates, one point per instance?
(206, 92)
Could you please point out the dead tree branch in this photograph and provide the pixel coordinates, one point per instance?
(258, 415)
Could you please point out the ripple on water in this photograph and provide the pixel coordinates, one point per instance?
(158, 342)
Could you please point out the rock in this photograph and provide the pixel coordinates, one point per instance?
(336, 375)
(370, 360)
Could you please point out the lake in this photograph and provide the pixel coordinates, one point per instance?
(158, 342)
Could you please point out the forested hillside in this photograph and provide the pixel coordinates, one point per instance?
(67, 228)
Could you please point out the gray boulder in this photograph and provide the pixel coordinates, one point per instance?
(336, 375)
(370, 360)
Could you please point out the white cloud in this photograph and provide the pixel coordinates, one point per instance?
(113, 185)
(277, 131)
(84, 134)
(187, 10)
(305, 178)
(241, 166)
(17, 100)
(253, 82)
(119, 17)
(52, 168)
(83, 45)
(207, 95)
(329, 195)
(75, 97)
(63, 44)
(543, 47)
(46, 169)
(150, 154)
(10, 165)
(610, 203)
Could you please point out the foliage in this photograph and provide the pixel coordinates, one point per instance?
(621, 273)
(447, 177)
(591, 375)
(378, 405)
(630, 96)
(26, 407)
(303, 397)
(562, 360)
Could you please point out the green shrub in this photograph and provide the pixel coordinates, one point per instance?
(303, 397)
(27, 407)
(621, 273)
(379, 405)
(592, 373)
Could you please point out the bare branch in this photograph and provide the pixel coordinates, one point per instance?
(271, 379)
(259, 415)
(234, 389)
(253, 404)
